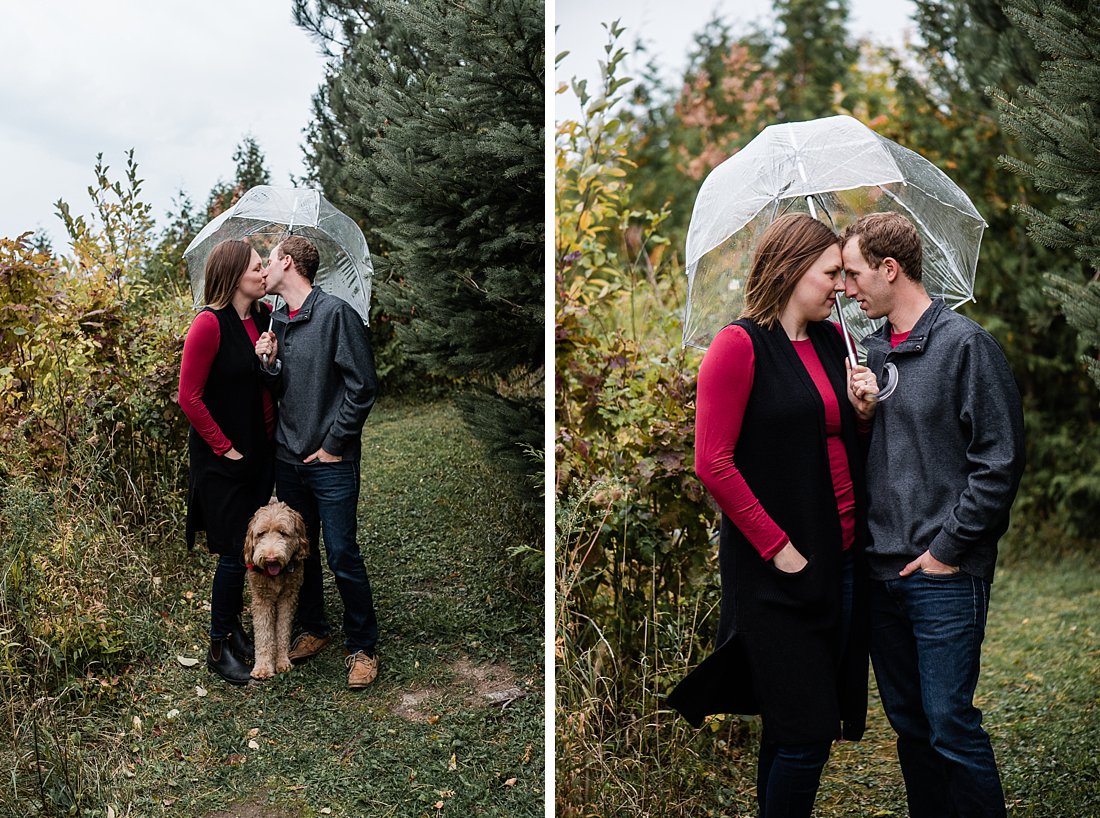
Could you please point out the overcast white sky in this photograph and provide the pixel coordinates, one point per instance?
(180, 81)
(666, 28)
(183, 81)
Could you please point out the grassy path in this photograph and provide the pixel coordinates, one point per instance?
(454, 724)
(1039, 692)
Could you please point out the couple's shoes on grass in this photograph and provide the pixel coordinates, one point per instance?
(232, 658)
(362, 669)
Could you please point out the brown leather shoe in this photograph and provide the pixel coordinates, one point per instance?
(306, 646)
(362, 669)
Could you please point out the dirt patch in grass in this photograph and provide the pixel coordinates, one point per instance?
(491, 683)
(252, 810)
(478, 685)
(411, 702)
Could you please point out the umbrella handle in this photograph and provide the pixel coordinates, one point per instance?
(889, 381)
(847, 337)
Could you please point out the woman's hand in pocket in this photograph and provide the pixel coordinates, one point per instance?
(789, 559)
(233, 454)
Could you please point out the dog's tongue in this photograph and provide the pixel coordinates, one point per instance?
(272, 569)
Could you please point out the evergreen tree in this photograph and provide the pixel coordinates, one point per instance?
(949, 117)
(251, 170)
(1056, 120)
(167, 269)
(814, 61)
(983, 47)
(441, 105)
(353, 35)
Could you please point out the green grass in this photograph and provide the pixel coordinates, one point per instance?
(1039, 692)
(457, 621)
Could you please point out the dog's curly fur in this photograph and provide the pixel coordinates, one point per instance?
(274, 550)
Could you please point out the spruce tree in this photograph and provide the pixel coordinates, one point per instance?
(1057, 121)
(974, 49)
(985, 47)
(815, 58)
(441, 105)
(251, 170)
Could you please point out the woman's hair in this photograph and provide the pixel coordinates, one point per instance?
(225, 265)
(888, 235)
(788, 248)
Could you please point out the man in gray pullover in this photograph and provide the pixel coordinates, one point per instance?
(325, 381)
(945, 460)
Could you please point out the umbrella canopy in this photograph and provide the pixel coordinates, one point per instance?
(849, 171)
(266, 215)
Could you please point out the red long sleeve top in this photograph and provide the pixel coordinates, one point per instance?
(199, 348)
(724, 384)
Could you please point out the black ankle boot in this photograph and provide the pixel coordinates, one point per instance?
(242, 647)
(220, 660)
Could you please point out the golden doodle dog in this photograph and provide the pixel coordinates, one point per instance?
(275, 547)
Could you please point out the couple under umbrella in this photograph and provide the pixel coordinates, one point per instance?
(855, 521)
(278, 399)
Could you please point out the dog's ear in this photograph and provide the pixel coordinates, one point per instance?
(249, 541)
(301, 538)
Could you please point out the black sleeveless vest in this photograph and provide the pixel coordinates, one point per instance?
(234, 388)
(223, 494)
(778, 634)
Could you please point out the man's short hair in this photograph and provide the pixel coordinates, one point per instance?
(303, 253)
(888, 235)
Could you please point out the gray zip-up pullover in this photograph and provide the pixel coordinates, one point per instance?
(327, 383)
(947, 448)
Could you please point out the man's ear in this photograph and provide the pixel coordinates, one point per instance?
(891, 268)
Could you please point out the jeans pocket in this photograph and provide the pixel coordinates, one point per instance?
(941, 576)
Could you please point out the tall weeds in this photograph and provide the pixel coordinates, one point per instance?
(620, 751)
(91, 496)
(84, 567)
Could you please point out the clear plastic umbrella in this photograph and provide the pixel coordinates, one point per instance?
(266, 215)
(837, 169)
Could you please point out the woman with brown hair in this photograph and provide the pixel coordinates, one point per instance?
(779, 418)
(232, 417)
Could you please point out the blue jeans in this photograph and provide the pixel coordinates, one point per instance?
(926, 639)
(787, 778)
(326, 495)
(226, 596)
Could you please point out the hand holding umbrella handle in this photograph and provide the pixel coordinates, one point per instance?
(266, 346)
(889, 372)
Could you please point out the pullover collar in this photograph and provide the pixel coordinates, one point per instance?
(879, 340)
(303, 311)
